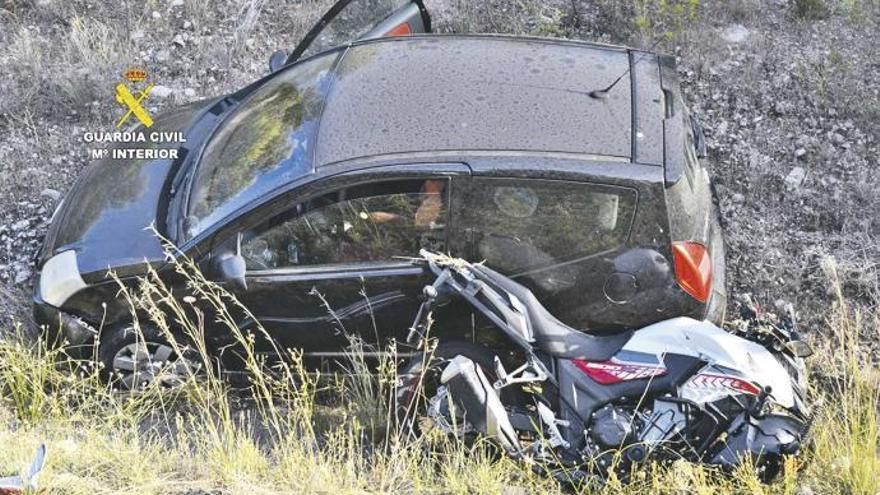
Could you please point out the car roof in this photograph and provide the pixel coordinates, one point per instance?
(491, 93)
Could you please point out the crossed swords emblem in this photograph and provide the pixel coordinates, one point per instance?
(133, 103)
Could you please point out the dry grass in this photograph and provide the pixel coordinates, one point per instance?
(282, 436)
(279, 436)
(49, 78)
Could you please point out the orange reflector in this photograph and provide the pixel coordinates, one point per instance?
(693, 269)
(401, 29)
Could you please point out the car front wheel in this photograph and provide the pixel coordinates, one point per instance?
(132, 360)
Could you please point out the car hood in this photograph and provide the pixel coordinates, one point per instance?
(109, 215)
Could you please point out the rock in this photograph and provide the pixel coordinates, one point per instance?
(161, 91)
(189, 92)
(783, 107)
(22, 274)
(178, 40)
(163, 56)
(795, 178)
(187, 25)
(837, 138)
(735, 33)
(804, 141)
(52, 194)
(175, 3)
(156, 15)
(737, 198)
(800, 152)
(20, 225)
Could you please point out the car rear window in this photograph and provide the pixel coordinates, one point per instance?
(265, 143)
(518, 225)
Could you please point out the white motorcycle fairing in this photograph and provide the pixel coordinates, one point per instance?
(709, 343)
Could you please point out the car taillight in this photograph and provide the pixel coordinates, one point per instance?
(401, 29)
(693, 269)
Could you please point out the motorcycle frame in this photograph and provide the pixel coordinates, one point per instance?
(577, 395)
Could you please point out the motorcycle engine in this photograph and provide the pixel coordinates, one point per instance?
(612, 427)
(634, 432)
(615, 429)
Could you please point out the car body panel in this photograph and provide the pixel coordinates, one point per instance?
(649, 109)
(438, 93)
(109, 215)
(324, 308)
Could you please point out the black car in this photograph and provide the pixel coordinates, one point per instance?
(571, 166)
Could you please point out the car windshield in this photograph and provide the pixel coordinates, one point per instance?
(265, 143)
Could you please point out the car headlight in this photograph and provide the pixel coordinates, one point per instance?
(60, 278)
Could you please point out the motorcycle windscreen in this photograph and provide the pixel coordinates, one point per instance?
(352, 20)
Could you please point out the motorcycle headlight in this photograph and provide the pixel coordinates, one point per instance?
(60, 278)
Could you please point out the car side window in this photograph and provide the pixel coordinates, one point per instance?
(366, 223)
(519, 225)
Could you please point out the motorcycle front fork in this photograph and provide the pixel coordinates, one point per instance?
(530, 373)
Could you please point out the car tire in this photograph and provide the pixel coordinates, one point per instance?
(130, 360)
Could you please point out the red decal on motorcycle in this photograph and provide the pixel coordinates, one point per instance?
(731, 383)
(610, 372)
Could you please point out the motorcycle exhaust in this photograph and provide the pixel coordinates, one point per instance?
(472, 392)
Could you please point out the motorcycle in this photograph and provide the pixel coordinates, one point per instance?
(27, 483)
(584, 405)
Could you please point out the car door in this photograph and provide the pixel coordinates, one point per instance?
(352, 20)
(340, 263)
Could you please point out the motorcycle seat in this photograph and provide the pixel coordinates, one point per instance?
(551, 335)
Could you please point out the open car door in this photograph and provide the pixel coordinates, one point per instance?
(352, 20)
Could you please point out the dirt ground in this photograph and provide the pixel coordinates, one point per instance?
(788, 92)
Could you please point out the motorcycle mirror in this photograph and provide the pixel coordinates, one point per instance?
(276, 60)
(799, 348)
